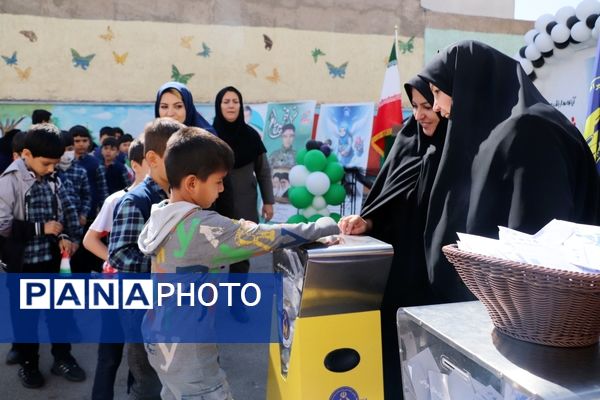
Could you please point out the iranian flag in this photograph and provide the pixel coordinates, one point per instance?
(389, 111)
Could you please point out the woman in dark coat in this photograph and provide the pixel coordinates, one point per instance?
(395, 212)
(250, 169)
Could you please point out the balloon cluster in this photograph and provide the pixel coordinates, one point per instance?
(315, 183)
(569, 25)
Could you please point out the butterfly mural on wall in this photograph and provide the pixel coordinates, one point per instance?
(274, 77)
(29, 35)
(251, 69)
(186, 42)
(23, 74)
(406, 47)
(12, 60)
(268, 42)
(80, 61)
(120, 58)
(316, 53)
(205, 51)
(337, 72)
(108, 36)
(178, 76)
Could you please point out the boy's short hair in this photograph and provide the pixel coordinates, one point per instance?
(67, 138)
(18, 141)
(39, 116)
(125, 138)
(118, 131)
(106, 130)
(110, 142)
(158, 132)
(194, 151)
(43, 140)
(136, 150)
(80, 130)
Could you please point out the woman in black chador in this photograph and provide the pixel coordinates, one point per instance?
(509, 159)
(395, 212)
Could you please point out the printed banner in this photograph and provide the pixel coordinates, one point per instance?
(347, 129)
(130, 117)
(288, 126)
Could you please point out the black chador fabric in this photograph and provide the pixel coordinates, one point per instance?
(241, 137)
(509, 158)
(397, 205)
(398, 201)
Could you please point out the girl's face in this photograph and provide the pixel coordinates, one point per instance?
(442, 102)
(230, 106)
(171, 106)
(424, 114)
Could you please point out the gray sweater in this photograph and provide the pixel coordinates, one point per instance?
(181, 235)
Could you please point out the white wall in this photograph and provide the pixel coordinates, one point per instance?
(565, 78)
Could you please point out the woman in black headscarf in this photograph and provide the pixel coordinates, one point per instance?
(251, 167)
(395, 212)
(509, 158)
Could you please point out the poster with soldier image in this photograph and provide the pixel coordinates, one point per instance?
(288, 126)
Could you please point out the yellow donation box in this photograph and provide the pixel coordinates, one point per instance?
(330, 325)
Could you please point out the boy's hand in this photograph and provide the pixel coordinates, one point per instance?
(331, 240)
(66, 245)
(53, 228)
(82, 220)
(247, 224)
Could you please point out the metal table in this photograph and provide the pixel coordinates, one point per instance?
(463, 343)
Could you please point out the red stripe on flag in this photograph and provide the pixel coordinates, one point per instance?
(389, 115)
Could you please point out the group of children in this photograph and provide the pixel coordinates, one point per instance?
(179, 174)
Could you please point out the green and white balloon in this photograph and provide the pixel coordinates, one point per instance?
(316, 183)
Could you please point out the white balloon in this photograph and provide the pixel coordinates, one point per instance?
(587, 8)
(323, 211)
(298, 175)
(526, 65)
(532, 53)
(564, 13)
(560, 33)
(580, 32)
(308, 212)
(544, 42)
(319, 202)
(542, 21)
(317, 183)
(530, 35)
(595, 32)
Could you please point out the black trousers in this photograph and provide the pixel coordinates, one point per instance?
(28, 320)
(83, 261)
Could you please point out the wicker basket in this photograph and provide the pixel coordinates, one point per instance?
(533, 303)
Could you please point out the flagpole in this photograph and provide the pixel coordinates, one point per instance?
(396, 40)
